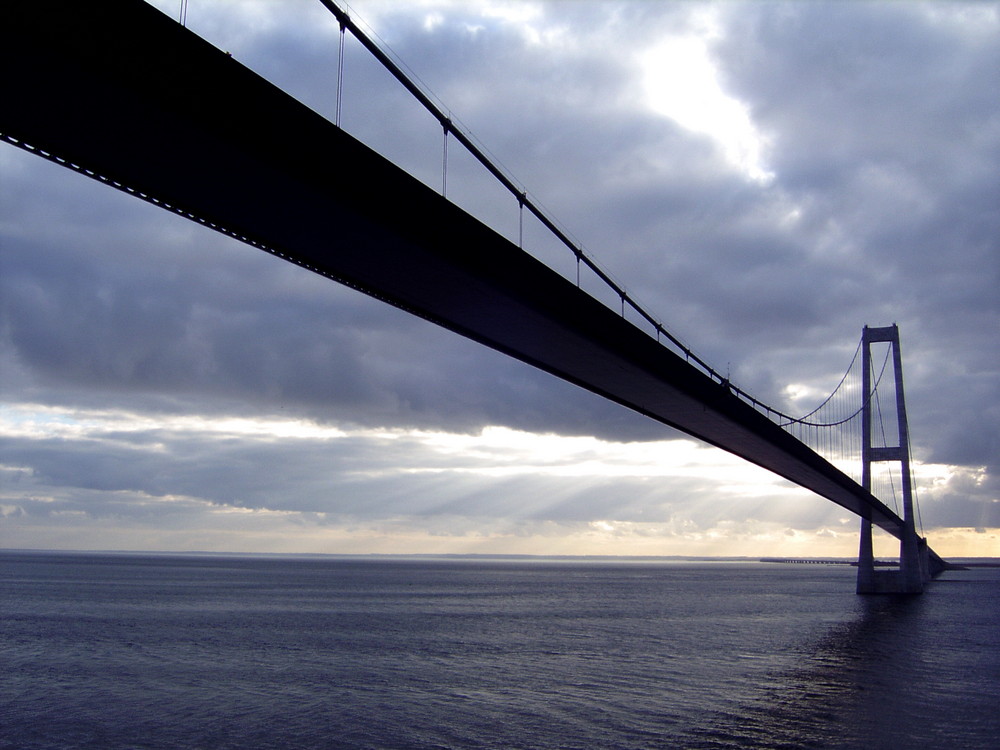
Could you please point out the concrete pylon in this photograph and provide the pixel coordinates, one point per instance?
(914, 567)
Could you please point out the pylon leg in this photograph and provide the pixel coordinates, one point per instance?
(911, 578)
(866, 560)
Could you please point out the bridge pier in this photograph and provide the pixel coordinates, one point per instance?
(914, 563)
(911, 576)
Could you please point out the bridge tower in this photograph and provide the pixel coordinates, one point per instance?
(913, 570)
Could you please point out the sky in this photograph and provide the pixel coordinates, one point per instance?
(766, 178)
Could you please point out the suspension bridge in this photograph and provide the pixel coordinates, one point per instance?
(126, 95)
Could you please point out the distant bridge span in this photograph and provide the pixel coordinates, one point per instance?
(122, 93)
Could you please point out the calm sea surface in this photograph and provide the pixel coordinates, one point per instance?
(130, 651)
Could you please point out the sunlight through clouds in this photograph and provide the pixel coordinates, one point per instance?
(40, 422)
(682, 83)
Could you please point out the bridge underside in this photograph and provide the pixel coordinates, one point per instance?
(119, 89)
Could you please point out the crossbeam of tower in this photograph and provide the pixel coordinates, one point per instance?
(124, 95)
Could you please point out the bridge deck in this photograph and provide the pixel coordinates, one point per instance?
(120, 89)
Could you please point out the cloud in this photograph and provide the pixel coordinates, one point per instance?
(875, 126)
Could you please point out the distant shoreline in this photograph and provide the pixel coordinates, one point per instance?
(970, 562)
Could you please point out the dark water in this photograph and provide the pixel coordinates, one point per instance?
(121, 651)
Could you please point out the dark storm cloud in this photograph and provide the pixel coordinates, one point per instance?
(155, 311)
(885, 126)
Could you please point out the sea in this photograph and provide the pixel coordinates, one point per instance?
(199, 651)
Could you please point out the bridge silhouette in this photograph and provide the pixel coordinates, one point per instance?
(125, 95)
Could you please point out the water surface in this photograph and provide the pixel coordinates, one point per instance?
(132, 651)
